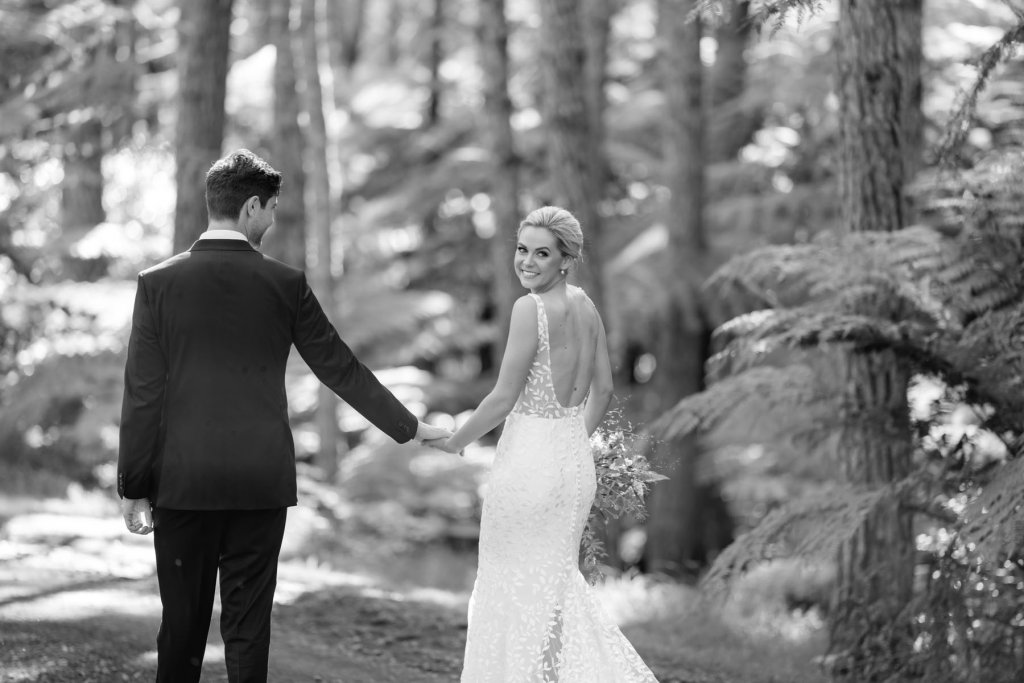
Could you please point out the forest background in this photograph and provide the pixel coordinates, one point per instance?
(804, 233)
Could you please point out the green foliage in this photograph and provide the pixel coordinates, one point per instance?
(999, 53)
(811, 527)
(994, 520)
(774, 12)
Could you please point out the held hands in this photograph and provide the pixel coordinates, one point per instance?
(435, 437)
(138, 515)
(428, 432)
(444, 445)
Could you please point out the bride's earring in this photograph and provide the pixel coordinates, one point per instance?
(562, 271)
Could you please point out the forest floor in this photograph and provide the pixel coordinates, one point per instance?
(78, 602)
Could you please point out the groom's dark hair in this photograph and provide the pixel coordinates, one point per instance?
(235, 178)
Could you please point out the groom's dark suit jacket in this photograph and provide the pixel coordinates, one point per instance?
(204, 421)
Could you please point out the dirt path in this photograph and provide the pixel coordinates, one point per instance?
(78, 602)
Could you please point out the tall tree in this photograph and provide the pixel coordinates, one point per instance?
(493, 32)
(731, 123)
(435, 55)
(346, 20)
(319, 217)
(81, 199)
(597, 20)
(393, 47)
(673, 529)
(877, 41)
(573, 155)
(98, 119)
(204, 31)
(288, 241)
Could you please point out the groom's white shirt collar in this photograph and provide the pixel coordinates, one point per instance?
(222, 235)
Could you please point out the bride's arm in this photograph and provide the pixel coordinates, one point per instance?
(515, 366)
(601, 385)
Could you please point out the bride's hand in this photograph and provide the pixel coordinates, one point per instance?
(443, 445)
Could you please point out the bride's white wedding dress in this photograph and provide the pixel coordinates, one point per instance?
(532, 616)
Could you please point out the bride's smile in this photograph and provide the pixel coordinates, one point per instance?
(538, 262)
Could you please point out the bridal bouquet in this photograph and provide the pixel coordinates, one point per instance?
(624, 477)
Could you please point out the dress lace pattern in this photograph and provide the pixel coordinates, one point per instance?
(532, 616)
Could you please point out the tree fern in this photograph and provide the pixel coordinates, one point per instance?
(810, 527)
(962, 120)
(994, 521)
(765, 12)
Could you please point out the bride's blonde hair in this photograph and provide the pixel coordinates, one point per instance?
(562, 224)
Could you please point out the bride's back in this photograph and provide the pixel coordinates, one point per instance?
(572, 334)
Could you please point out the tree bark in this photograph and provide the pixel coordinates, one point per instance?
(434, 58)
(393, 49)
(287, 242)
(204, 37)
(573, 149)
(597, 18)
(879, 50)
(345, 21)
(505, 166)
(871, 118)
(81, 197)
(732, 126)
(674, 542)
(318, 213)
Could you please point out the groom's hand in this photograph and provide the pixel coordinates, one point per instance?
(138, 515)
(428, 432)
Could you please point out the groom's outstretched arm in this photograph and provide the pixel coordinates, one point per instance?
(145, 379)
(334, 364)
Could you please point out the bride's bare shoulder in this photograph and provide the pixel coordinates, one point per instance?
(583, 303)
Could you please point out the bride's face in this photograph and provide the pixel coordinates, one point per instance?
(538, 262)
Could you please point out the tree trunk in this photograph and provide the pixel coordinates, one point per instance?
(203, 35)
(434, 58)
(352, 33)
(505, 171)
(318, 212)
(731, 125)
(871, 119)
(573, 149)
(287, 242)
(878, 43)
(81, 196)
(597, 19)
(674, 543)
(393, 48)
(345, 21)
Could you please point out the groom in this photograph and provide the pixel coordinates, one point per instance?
(206, 459)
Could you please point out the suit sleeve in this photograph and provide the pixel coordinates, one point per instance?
(334, 364)
(145, 378)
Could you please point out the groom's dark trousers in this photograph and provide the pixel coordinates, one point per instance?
(190, 546)
(205, 436)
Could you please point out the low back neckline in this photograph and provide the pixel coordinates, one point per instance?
(545, 348)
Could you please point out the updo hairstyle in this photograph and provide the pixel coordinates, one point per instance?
(562, 224)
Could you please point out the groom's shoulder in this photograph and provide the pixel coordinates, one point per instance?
(280, 269)
(166, 264)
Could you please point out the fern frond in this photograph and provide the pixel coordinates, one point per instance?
(994, 521)
(811, 527)
(762, 404)
(961, 122)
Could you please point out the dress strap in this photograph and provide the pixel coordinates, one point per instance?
(542, 323)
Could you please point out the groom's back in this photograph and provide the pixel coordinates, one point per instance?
(224, 316)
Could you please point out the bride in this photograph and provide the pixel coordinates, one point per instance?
(532, 617)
